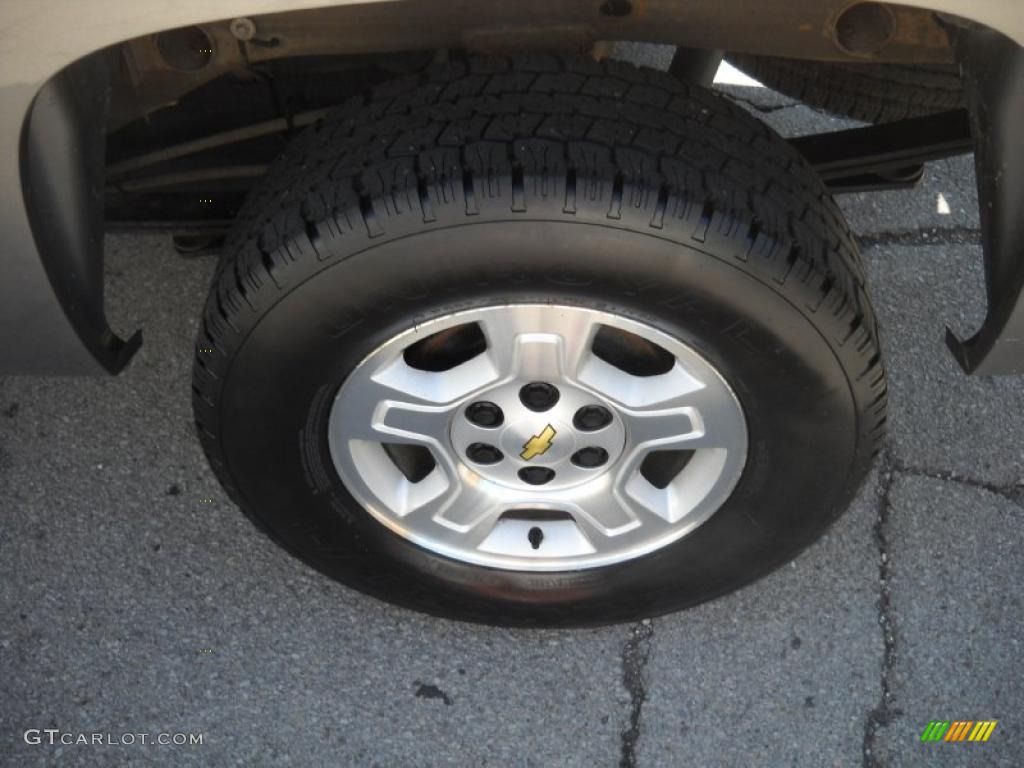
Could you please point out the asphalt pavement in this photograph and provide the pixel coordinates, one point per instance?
(135, 598)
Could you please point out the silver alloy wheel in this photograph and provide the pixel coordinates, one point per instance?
(483, 506)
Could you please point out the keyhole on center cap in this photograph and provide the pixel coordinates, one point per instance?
(535, 537)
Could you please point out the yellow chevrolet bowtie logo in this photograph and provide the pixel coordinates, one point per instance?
(538, 444)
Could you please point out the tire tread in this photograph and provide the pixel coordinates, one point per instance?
(872, 93)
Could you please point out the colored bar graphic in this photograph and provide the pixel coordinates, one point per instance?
(959, 730)
(983, 730)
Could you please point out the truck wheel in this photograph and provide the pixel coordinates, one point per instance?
(540, 341)
(873, 93)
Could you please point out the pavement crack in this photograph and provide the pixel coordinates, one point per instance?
(883, 712)
(922, 236)
(635, 655)
(1013, 492)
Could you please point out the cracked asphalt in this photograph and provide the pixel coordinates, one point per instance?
(137, 599)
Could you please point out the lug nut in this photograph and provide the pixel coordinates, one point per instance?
(482, 453)
(590, 457)
(536, 475)
(538, 395)
(485, 414)
(591, 418)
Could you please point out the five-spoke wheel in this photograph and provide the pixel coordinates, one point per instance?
(608, 436)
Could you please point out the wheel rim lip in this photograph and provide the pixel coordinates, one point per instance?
(545, 500)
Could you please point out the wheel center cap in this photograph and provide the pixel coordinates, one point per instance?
(538, 447)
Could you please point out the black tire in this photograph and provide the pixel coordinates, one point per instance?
(542, 179)
(872, 93)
